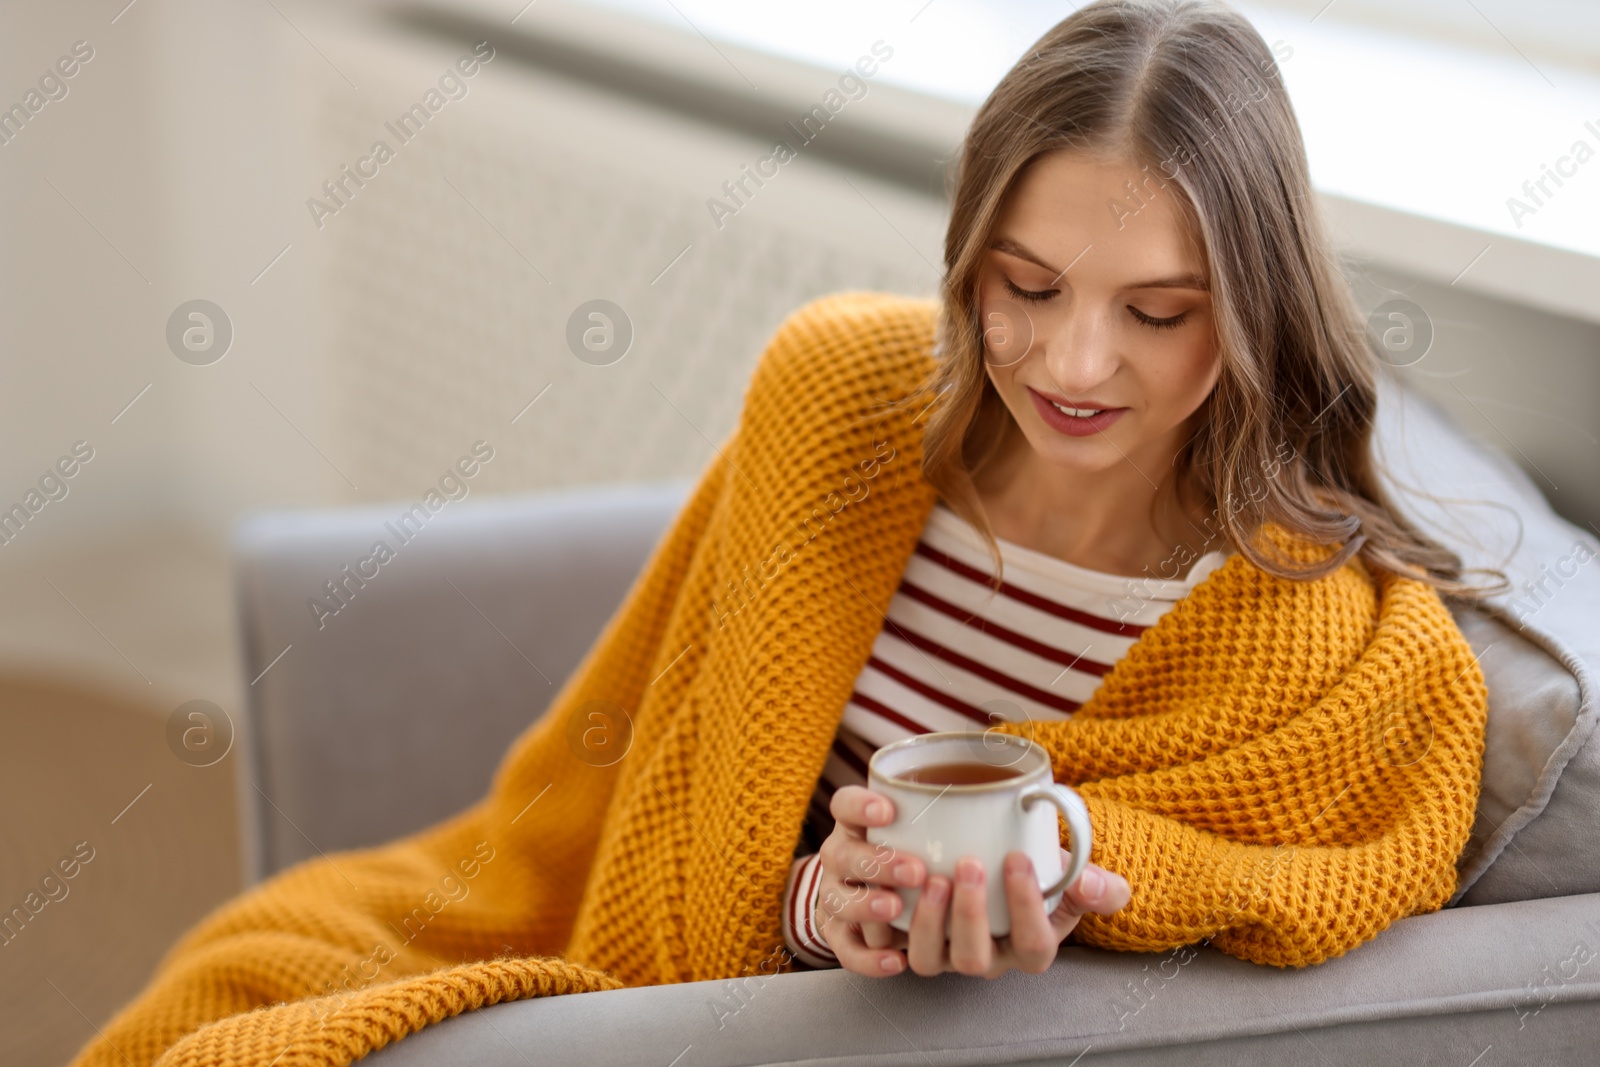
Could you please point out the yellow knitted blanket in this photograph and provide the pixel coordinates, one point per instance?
(1282, 767)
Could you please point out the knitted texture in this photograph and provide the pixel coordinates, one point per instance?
(1283, 767)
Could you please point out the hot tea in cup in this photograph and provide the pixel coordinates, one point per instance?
(961, 772)
(980, 794)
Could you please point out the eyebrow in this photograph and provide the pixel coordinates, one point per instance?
(1175, 281)
(1015, 248)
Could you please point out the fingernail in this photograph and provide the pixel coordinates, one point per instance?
(906, 873)
(969, 873)
(891, 964)
(883, 906)
(1021, 866)
(938, 889)
(877, 810)
(1094, 884)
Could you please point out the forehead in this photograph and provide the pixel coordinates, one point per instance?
(1105, 216)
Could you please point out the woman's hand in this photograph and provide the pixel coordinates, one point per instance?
(856, 900)
(853, 907)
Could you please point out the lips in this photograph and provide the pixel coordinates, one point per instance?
(1080, 419)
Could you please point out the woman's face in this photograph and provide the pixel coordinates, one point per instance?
(1096, 300)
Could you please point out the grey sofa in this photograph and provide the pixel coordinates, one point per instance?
(393, 712)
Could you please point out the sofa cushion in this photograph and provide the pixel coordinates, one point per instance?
(436, 666)
(1533, 703)
(1538, 646)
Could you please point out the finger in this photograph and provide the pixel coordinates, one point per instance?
(971, 947)
(858, 860)
(860, 806)
(925, 944)
(857, 902)
(851, 871)
(878, 935)
(897, 938)
(849, 945)
(855, 808)
(1033, 941)
(1096, 890)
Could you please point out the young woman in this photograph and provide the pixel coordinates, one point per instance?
(1148, 351)
(1140, 523)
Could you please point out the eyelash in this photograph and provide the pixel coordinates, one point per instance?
(1159, 324)
(1045, 294)
(1027, 294)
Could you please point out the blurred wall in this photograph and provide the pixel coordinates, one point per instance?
(165, 174)
(168, 173)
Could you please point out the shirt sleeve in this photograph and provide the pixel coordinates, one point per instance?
(800, 931)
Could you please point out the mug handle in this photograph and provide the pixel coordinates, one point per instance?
(1076, 812)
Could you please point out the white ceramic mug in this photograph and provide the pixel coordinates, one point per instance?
(942, 823)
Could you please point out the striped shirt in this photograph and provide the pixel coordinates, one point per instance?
(952, 655)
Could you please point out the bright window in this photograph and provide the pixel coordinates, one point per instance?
(1437, 108)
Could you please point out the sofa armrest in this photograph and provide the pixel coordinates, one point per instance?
(1523, 977)
(387, 708)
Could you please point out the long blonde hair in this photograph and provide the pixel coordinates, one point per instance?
(1189, 89)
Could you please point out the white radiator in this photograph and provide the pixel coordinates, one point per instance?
(452, 270)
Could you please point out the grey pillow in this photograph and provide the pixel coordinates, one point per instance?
(1538, 646)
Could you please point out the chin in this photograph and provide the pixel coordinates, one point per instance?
(1082, 455)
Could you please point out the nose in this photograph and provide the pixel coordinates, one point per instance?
(1080, 352)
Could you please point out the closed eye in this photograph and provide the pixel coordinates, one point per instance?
(1028, 294)
(1158, 324)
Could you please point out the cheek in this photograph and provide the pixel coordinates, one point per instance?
(1009, 330)
(1182, 376)
(1000, 378)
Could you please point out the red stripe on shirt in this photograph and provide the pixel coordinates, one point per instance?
(817, 944)
(795, 896)
(994, 629)
(843, 752)
(1048, 699)
(888, 713)
(1033, 600)
(977, 715)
